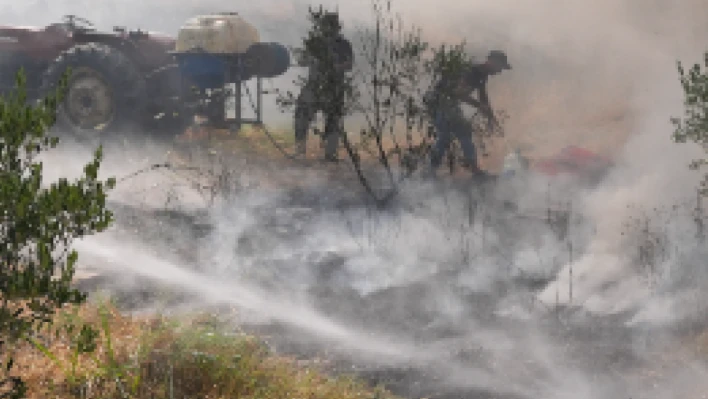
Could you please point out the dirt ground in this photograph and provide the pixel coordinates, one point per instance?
(591, 344)
(538, 129)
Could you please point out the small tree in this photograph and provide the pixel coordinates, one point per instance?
(694, 124)
(390, 79)
(397, 71)
(394, 69)
(38, 224)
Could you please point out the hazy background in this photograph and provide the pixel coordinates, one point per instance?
(600, 74)
(581, 68)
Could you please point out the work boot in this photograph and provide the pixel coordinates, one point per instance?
(476, 171)
(331, 158)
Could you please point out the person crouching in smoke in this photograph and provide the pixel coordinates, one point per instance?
(454, 86)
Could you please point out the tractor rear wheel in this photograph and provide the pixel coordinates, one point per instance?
(105, 95)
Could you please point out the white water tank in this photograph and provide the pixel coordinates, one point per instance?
(221, 33)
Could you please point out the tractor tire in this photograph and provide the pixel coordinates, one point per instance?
(105, 95)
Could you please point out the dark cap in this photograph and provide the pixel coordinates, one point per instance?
(499, 57)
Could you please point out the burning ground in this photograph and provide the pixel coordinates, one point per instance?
(455, 290)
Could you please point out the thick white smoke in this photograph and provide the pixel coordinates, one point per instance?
(599, 74)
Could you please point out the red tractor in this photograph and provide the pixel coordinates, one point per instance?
(127, 81)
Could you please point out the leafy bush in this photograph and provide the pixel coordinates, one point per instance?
(39, 224)
(694, 124)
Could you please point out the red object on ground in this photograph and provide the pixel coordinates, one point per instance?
(573, 160)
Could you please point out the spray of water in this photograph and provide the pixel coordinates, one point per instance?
(445, 284)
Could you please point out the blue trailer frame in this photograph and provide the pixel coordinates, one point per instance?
(209, 72)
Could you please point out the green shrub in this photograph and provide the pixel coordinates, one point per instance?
(694, 124)
(39, 224)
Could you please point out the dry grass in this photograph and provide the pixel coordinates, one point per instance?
(254, 141)
(152, 357)
(539, 130)
(248, 138)
(699, 345)
(540, 125)
(253, 144)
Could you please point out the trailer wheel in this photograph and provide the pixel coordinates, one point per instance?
(105, 94)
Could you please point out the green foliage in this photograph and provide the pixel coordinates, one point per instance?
(39, 223)
(449, 60)
(393, 70)
(392, 78)
(694, 124)
(318, 41)
(397, 70)
(326, 78)
(448, 63)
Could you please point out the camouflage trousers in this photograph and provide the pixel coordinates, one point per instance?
(307, 106)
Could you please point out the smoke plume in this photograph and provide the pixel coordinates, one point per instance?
(477, 297)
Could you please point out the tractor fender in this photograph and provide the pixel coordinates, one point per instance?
(144, 58)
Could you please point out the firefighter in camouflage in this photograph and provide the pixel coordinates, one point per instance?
(329, 56)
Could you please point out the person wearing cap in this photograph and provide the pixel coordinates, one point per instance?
(328, 55)
(444, 107)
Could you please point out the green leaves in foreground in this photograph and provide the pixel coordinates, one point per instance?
(694, 124)
(40, 222)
